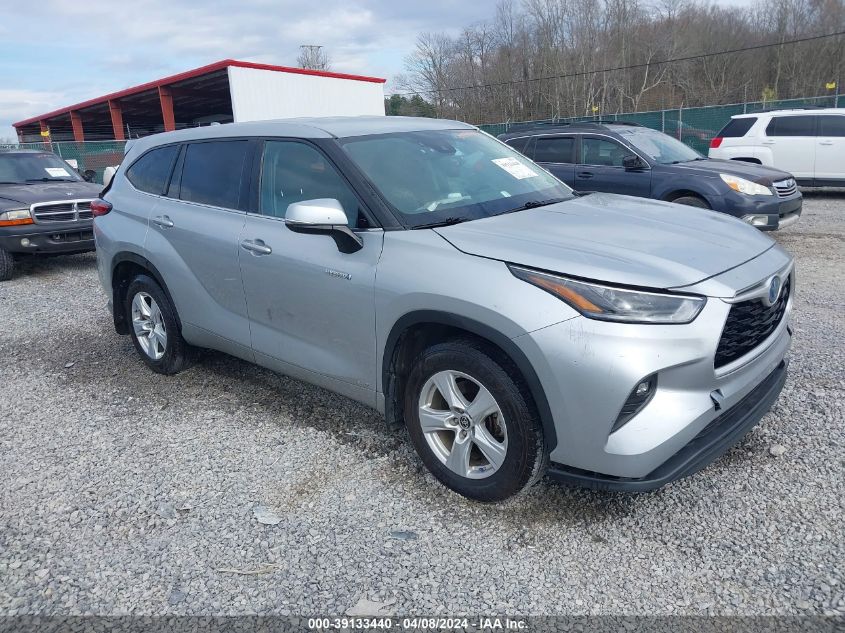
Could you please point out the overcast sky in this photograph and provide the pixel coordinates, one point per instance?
(55, 53)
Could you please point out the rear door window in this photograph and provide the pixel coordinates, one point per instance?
(213, 173)
(737, 128)
(151, 172)
(556, 149)
(792, 126)
(832, 125)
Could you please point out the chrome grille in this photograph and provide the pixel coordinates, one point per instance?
(749, 324)
(70, 211)
(785, 188)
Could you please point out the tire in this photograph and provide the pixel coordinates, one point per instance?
(7, 265)
(148, 309)
(692, 201)
(516, 461)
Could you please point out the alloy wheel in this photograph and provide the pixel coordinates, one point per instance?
(463, 424)
(148, 323)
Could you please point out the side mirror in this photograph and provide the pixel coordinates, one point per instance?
(323, 216)
(88, 175)
(633, 163)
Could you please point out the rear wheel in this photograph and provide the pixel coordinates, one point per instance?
(154, 328)
(473, 422)
(692, 201)
(7, 265)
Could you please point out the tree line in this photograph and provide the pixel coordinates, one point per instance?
(539, 59)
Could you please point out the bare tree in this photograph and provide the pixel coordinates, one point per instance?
(538, 59)
(313, 57)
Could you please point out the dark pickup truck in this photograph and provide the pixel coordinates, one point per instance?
(45, 207)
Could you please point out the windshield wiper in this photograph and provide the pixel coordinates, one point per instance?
(11, 182)
(533, 204)
(446, 222)
(45, 179)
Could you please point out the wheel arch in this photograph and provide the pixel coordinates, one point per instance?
(674, 194)
(126, 266)
(414, 330)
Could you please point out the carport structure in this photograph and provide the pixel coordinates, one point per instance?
(187, 99)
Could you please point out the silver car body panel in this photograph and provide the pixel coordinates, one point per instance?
(312, 312)
(631, 241)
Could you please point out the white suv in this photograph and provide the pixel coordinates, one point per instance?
(810, 144)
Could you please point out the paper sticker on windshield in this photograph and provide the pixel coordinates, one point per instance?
(515, 168)
(57, 172)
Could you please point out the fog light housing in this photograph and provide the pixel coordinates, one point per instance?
(640, 396)
(756, 220)
(25, 242)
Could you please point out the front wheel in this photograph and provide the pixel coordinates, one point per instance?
(7, 265)
(473, 422)
(692, 201)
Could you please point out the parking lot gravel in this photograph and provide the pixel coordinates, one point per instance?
(229, 489)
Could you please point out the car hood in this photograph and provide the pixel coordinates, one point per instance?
(617, 239)
(14, 195)
(712, 167)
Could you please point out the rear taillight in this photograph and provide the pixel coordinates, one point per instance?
(100, 207)
(716, 142)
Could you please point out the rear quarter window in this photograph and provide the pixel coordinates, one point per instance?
(737, 128)
(519, 144)
(151, 172)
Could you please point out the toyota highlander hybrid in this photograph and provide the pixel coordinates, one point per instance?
(431, 272)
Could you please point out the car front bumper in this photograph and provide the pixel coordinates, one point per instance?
(589, 368)
(767, 213)
(724, 432)
(53, 238)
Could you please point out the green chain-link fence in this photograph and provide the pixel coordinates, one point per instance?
(94, 155)
(693, 126)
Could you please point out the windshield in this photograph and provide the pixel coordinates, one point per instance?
(658, 146)
(449, 176)
(20, 168)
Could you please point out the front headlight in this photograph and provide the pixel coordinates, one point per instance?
(14, 217)
(606, 303)
(745, 186)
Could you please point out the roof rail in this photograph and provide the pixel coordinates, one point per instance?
(612, 122)
(809, 107)
(520, 127)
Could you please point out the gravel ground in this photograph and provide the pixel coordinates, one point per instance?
(123, 491)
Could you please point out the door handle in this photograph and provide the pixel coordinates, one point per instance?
(585, 174)
(768, 142)
(256, 247)
(163, 222)
(825, 142)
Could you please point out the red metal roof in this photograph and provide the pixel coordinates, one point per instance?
(188, 74)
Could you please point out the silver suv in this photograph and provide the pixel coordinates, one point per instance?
(427, 270)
